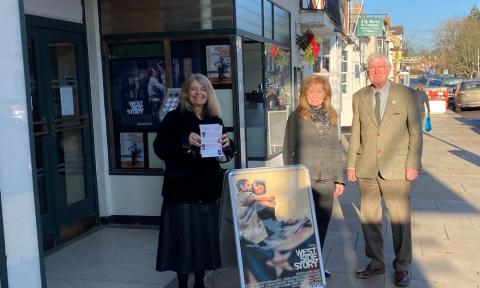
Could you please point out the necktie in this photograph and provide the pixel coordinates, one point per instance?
(377, 107)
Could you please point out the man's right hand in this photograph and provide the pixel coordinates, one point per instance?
(351, 175)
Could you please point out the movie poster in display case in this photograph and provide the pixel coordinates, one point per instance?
(138, 91)
(132, 150)
(218, 64)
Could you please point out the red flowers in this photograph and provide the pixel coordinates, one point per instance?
(308, 43)
(274, 51)
(315, 48)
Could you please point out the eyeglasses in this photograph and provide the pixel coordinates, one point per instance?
(378, 68)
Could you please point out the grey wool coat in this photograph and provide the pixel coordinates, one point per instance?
(321, 154)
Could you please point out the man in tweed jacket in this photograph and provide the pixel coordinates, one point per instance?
(385, 156)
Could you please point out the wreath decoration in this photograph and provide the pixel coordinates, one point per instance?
(279, 55)
(308, 43)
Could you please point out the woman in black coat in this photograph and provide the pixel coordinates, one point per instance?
(311, 139)
(188, 240)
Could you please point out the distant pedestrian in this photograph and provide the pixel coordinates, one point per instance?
(385, 156)
(423, 101)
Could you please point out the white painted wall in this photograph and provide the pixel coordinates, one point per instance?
(354, 84)
(335, 71)
(16, 179)
(136, 195)
(98, 108)
(67, 10)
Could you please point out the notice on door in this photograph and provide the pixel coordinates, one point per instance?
(66, 100)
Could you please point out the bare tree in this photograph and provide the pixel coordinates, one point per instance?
(474, 12)
(469, 43)
(458, 41)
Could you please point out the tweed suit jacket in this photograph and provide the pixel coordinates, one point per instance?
(393, 144)
(321, 154)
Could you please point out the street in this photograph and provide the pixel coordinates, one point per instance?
(471, 113)
(471, 117)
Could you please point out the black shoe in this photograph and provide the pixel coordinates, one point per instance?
(401, 278)
(328, 274)
(369, 272)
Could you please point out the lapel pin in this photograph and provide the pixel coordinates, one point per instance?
(394, 102)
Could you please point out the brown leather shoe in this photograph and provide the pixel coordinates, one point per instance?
(368, 272)
(401, 278)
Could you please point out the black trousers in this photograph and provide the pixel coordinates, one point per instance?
(323, 200)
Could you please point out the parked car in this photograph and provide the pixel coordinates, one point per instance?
(467, 94)
(435, 89)
(451, 83)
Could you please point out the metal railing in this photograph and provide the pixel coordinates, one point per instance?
(312, 4)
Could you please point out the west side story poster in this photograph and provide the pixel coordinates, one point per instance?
(275, 231)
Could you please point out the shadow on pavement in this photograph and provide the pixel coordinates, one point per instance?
(445, 226)
(460, 152)
(473, 123)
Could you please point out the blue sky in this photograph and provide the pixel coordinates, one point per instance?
(419, 17)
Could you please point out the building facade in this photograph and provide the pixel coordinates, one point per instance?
(80, 110)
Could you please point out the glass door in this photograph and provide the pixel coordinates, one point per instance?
(62, 131)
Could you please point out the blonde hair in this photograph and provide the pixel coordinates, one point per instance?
(212, 107)
(420, 87)
(303, 108)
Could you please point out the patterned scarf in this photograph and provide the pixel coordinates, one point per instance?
(321, 118)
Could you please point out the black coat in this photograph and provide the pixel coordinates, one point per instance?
(188, 177)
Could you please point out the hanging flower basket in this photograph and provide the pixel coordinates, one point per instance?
(308, 43)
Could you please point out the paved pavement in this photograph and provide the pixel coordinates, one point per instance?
(446, 231)
(446, 218)
(445, 223)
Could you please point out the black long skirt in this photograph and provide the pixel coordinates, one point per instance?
(188, 239)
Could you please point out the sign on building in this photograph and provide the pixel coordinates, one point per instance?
(370, 26)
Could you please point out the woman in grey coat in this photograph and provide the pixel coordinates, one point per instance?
(311, 139)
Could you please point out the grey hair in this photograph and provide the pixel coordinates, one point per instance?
(378, 55)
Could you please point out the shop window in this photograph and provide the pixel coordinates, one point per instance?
(142, 92)
(268, 98)
(380, 45)
(137, 87)
(278, 95)
(344, 75)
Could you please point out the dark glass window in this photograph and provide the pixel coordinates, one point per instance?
(267, 19)
(249, 16)
(268, 98)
